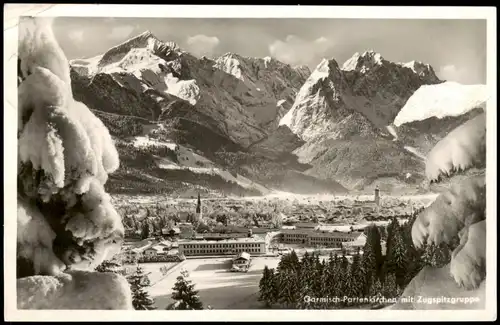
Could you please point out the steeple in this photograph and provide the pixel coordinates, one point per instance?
(198, 205)
(377, 196)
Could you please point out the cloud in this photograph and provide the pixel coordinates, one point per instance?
(297, 51)
(76, 36)
(453, 73)
(121, 32)
(200, 44)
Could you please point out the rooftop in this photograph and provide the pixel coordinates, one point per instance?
(333, 233)
(243, 255)
(223, 241)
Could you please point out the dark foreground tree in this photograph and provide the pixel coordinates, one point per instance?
(267, 290)
(185, 296)
(372, 257)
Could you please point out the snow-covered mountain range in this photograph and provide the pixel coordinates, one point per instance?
(257, 125)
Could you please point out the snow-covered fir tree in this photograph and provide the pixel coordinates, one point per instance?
(110, 266)
(140, 297)
(184, 294)
(267, 288)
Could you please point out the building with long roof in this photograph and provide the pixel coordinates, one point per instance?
(310, 237)
(253, 246)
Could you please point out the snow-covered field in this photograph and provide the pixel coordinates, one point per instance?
(217, 287)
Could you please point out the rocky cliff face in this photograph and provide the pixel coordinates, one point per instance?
(347, 114)
(367, 91)
(244, 96)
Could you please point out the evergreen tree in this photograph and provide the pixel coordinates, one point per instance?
(306, 273)
(390, 289)
(288, 262)
(318, 270)
(354, 283)
(289, 288)
(376, 289)
(415, 262)
(383, 232)
(393, 226)
(294, 260)
(336, 269)
(397, 256)
(343, 273)
(140, 297)
(162, 223)
(305, 290)
(436, 255)
(328, 281)
(372, 256)
(267, 287)
(185, 296)
(145, 230)
(109, 266)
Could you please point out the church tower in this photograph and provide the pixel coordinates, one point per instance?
(198, 208)
(377, 196)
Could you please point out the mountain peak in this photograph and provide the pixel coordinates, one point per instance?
(231, 55)
(140, 39)
(144, 40)
(366, 60)
(373, 55)
(418, 67)
(146, 33)
(325, 68)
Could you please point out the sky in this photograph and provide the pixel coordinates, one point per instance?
(456, 49)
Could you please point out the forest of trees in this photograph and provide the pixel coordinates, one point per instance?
(369, 275)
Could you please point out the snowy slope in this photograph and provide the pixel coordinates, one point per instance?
(441, 100)
(187, 159)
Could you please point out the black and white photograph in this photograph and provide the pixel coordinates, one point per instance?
(220, 163)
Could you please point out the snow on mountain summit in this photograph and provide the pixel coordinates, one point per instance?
(365, 60)
(441, 100)
(240, 93)
(144, 40)
(367, 90)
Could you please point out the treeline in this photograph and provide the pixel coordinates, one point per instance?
(143, 157)
(122, 125)
(370, 273)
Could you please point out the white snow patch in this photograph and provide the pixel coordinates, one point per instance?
(351, 63)
(185, 89)
(143, 141)
(441, 100)
(415, 152)
(410, 65)
(280, 102)
(392, 131)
